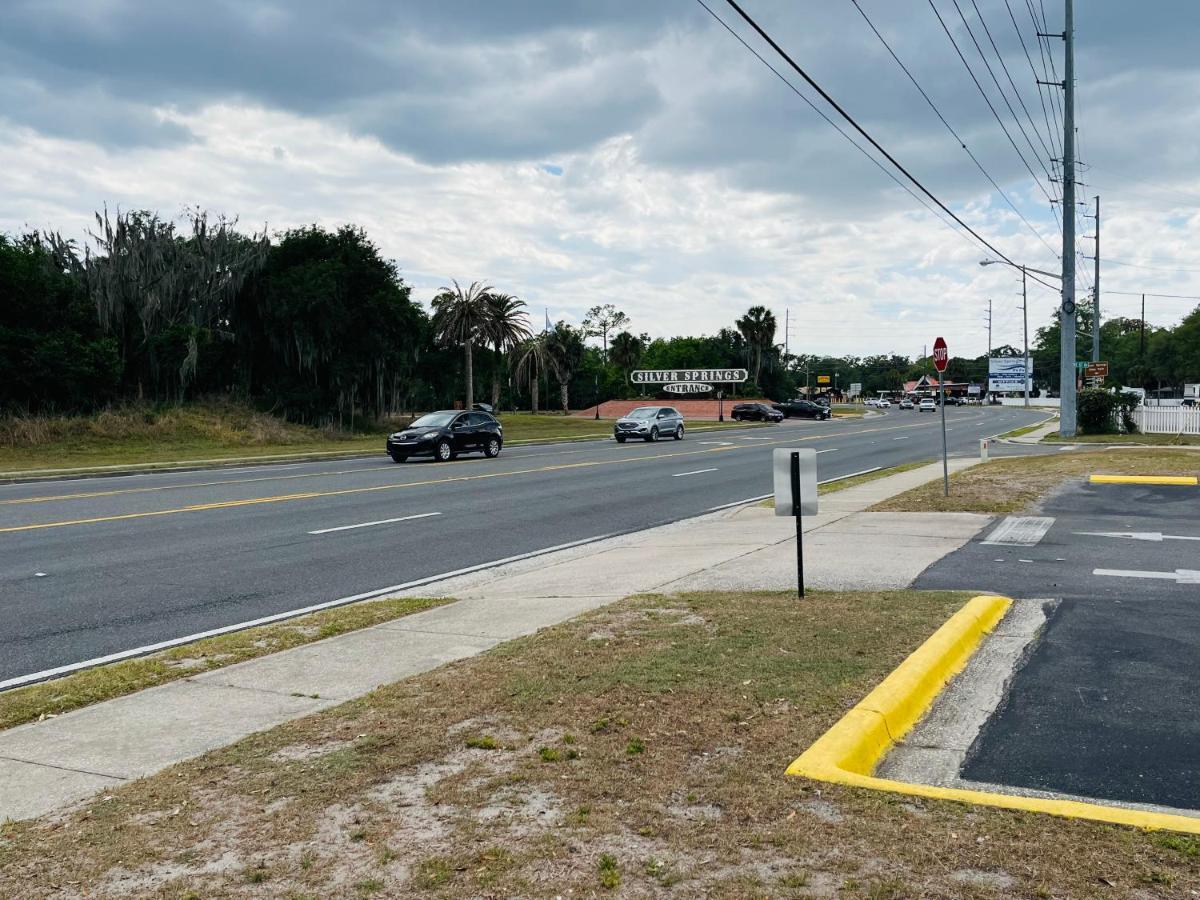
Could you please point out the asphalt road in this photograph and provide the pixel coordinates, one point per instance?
(100, 566)
(1106, 704)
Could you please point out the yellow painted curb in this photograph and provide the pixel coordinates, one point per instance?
(1144, 479)
(849, 751)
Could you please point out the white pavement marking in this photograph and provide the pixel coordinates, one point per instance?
(851, 475)
(716, 443)
(290, 614)
(1061, 449)
(1179, 576)
(695, 472)
(903, 437)
(378, 522)
(1023, 531)
(1139, 535)
(830, 450)
(739, 502)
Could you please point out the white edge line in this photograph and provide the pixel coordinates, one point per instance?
(830, 450)
(851, 475)
(696, 472)
(379, 522)
(45, 674)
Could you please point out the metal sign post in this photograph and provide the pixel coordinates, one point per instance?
(941, 358)
(795, 474)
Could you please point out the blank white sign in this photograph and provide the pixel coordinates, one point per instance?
(783, 481)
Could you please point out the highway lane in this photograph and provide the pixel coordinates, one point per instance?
(94, 567)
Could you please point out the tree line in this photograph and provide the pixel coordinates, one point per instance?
(316, 325)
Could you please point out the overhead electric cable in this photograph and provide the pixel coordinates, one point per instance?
(1055, 142)
(988, 101)
(832, 123)
(1012, 84)
(950, 127)
(862, 131)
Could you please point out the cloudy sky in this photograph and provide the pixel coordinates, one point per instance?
(576, 152)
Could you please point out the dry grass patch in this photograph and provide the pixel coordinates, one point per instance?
(666, 779)
(1010, 485)
(90, 686)
(1155, 440)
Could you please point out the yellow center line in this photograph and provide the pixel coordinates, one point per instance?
(343, 492)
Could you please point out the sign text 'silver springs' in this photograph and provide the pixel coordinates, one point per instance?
(669, 376)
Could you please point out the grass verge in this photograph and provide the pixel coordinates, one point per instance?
(1148, 440)
(202, 432)
(51, 698)
(1009, 485)
(1018, 432)
(638, 750)
(841, 485)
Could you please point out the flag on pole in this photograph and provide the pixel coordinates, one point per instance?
(548, 326)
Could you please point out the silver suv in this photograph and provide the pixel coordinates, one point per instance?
(649, 423)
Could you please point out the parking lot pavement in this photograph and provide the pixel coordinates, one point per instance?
(1105, 705)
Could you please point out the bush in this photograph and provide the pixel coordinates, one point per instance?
(1095, 408)
(1126, 404)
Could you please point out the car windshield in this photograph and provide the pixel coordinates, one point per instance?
(434, 420)
(643, 412)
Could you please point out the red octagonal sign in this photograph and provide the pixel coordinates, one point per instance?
(941, 355)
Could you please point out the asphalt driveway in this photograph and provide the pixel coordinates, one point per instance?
(1106, 705)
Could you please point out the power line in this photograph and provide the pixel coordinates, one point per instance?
(832, 123)
(949, 127)
(1148, 294)
(1012, 84)
(1055, 147)
(988, 101)
(862, 131)
(1121, 262)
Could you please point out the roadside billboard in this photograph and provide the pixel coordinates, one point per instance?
(1008, 374)
(856, 389)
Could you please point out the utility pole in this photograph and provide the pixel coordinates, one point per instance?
(1025, 316)
(1142, 340)
(1096, 291)
(1067, 314)
(989, 328)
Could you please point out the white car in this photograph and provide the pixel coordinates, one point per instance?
(927, 404)
(906, 404)
(884, 403)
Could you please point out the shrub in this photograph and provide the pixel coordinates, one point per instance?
(1095, 408)
(1126, 404)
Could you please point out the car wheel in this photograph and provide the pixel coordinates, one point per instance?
(679, 433)
(620, 439)
(397, 457)
(653, 436)
(492, 449)
(443, 452)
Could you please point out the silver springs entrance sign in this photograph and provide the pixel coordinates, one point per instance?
(691, 376)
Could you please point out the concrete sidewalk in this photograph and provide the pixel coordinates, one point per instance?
(50, 764)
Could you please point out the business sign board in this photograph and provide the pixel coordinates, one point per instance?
(822, 379)
(1008, 374)
(782, 467)
(856, 389)
(670, 376)
(687, 387)
(972, 390)
(1096, 370)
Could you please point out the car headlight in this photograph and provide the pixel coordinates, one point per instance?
(427, 436)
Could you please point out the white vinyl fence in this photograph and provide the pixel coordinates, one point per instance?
(1167, 419)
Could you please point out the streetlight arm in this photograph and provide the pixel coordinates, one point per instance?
(1000, 262)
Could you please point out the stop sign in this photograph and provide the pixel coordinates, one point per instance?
(941, 356)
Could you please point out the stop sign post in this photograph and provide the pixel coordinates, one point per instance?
(941, 359)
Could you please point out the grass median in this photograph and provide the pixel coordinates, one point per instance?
(1010, 485)
(208, 432)
(635, 751)
(1147, 440)
(52, 698)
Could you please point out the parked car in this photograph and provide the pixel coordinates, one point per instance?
(906, 404)
(803, 409)
(1188, 401)
(447, 433)
(649, 423)
(755, 412)
(927, 404)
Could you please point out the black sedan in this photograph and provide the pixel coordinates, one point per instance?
(803, 409)
(447, 433)
(755, 412)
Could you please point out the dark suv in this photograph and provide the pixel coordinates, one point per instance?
(447, 433)
(755, 412)
(803, 409)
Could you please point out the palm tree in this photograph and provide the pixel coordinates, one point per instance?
(505, 326)
(564, 346)
(757, 326)
(626, 351)
(458, 316)
(530, 360)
